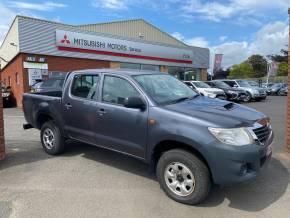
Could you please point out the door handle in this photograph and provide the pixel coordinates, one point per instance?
(68, 106)
(102, 112)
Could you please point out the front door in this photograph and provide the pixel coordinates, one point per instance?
(80, 108)
(120, 128)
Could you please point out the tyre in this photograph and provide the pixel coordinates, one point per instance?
(51, 138)
(183, 176)
(280, 92)
(248, 97)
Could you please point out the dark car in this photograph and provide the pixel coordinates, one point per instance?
(7, 96)
(279, 89)
(189, 140)
(53, 84)
(232, 94)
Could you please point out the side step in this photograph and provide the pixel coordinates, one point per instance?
(27, 126)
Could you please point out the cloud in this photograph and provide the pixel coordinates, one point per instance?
(195, 41)
(222, 38)
(7, 17)
(248, 11)
(111, 4)
(46, 6)
(269, 39)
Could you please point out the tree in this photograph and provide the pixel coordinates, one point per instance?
(283, 57)
(241, 71)
(282, 69)
(259, 64)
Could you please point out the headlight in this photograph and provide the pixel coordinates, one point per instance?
(234, 136)
(231, 92)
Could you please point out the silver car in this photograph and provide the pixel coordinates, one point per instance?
(253, 92)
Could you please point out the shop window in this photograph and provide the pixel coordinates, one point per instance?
(178, 72)
(130, 66)
(149, 67)
(17, 78)
(85, 86)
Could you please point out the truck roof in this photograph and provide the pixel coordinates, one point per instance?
(130, 72)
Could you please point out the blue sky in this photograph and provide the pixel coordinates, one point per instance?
(236, 28)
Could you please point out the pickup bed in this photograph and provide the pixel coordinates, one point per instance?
(189, 140)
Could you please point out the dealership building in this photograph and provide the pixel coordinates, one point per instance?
(35, 49)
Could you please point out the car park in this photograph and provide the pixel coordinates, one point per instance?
(279, 89)
(189, 140)
(206, 90)
(232, 94)
(252, 92)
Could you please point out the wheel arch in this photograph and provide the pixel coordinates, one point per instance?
(167, 145)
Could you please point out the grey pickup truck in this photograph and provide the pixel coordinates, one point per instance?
(188, 140)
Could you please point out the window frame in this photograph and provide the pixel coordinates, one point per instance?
(81, 98)
(100, 96)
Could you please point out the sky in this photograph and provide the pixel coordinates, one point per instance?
(234, 28)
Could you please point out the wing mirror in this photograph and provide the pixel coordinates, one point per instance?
(135, 102)
(235, 86)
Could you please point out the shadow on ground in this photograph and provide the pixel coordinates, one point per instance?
(254, 196)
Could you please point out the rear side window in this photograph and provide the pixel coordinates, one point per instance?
(230, 83)
(85, 86)
(116, 90)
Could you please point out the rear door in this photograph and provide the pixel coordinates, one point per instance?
(120, 128)
(79, 106)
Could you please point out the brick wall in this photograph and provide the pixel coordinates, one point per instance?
(61, 64)
(288, 102)
(2, 144)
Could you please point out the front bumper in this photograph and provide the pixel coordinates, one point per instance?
(236, 164)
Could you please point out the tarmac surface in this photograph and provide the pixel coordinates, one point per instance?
(87, 181)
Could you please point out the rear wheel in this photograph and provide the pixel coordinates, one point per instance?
(51, 138)
(183, 176)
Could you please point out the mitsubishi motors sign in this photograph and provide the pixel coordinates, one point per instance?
(87, 43)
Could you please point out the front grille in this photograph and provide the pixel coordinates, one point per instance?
(262, 133)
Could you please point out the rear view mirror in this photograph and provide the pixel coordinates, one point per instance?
(135, 102)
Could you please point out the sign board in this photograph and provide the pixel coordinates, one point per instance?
(34, 75)
(35, 65)
(95, 44)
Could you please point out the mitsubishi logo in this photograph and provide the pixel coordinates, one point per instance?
(65, 39)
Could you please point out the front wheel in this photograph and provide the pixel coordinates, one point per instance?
(183, 176)
(51, 138)
(248, 97)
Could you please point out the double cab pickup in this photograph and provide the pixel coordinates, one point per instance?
(190, 141)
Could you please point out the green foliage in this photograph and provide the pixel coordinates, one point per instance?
(282, 69)
(259, 64)
(283, 57)
(241, 71)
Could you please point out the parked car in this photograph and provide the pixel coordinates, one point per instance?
(53, 84)
(232, 94)
(7, 96)
(279, 89)
(268, 86)
(255, 84)
(189, 140)
(253, 93)
(205, 90)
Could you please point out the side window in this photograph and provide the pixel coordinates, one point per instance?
(230, 83)
(85, 86)
(116, 90)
